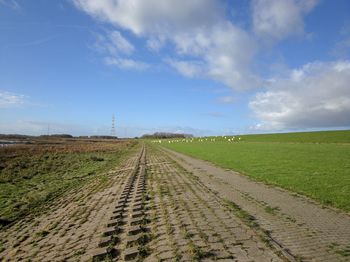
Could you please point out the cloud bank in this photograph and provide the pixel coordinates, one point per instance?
(316, 95)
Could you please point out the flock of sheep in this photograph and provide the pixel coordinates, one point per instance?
(199, 139)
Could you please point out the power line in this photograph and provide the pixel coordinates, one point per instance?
(113, 126)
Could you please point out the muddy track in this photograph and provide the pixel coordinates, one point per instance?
(149, 209)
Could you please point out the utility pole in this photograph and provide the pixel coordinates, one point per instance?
(113, 126)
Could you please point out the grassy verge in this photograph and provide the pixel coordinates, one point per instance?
(318, 170)
(33, 175)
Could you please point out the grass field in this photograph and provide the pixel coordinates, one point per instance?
(316, 164)
(31, 175)
(341, 136)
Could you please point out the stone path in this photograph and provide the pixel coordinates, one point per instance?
(302, 228)
(71, 227)
(191, 223)
(148, 209)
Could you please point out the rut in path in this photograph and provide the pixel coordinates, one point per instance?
(127, 234)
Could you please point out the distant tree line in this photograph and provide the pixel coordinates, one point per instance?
(103, 137)
(161, 135)
(16, 136)
(85, 137)
(13, 136)
(58, 136)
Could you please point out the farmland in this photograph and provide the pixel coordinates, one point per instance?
(315, 164)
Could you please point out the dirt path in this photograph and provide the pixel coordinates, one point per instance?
(303, 228)
(149, 209)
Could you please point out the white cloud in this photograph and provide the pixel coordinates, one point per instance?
(113, 43)
(223, 52)
(187, 68)
(126, 63)
(117, 50)
(202, 42)
(153, 16)
(316, 95)
(206, 44)
(9, 100)
(279, 19)
(156, 43)
(121, 44)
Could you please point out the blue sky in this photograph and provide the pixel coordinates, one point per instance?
(207, 67)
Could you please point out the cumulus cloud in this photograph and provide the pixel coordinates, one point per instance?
(278, 19)
(224, 53)
(205, 43)
(8, 100)
(117, 50)
(316, 95)
(201, 41)
(113, 43)
(190, 68)
(153, 16)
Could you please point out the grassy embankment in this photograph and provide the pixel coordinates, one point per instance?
(316, 164)
(32, 175)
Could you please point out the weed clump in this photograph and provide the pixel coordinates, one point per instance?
(96, 158)
(42, 233)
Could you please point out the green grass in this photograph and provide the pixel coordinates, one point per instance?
(341, 136)
(316, 165)
(32, 176)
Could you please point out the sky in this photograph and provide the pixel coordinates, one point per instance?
(204, 67)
